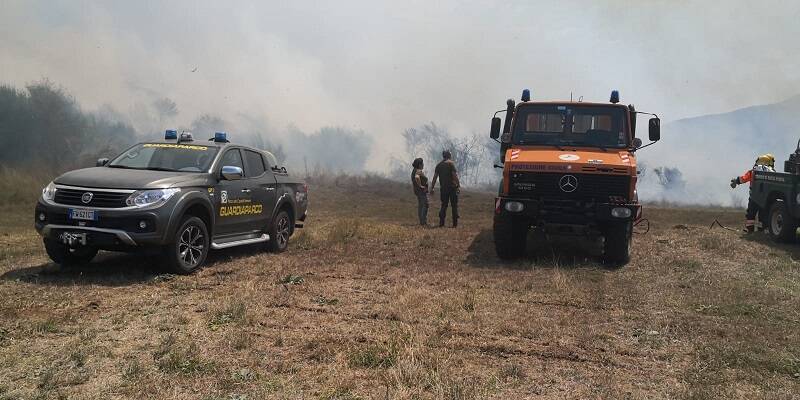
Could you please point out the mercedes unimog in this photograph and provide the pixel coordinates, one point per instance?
(569, 169)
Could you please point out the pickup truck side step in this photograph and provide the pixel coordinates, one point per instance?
(225, 245)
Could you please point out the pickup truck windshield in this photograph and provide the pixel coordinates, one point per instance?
(571, 125)
(184, 157)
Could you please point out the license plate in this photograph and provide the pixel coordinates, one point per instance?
(85, 215)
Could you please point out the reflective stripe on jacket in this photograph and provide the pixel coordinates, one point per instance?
(748, 176)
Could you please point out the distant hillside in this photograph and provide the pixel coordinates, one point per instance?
(711, 149)
(774, 127)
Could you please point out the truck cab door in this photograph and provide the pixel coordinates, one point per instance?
(232, 198)
(262, 187)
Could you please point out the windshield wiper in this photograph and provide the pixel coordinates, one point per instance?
(161, 169)
(122, 166)
(558, 146)
(602, 147)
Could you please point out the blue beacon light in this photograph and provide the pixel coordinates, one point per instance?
(220, 137)
(614, 96)
(526, 95)
(170, 134)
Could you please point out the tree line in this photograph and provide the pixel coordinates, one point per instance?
(43, 127)
(474, 155)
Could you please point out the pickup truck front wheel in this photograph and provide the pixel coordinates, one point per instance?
(189, 247)
(782, 227)
(64, 255)
(279, 232)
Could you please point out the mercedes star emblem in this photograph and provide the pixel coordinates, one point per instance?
(87, 197)
(568, 183)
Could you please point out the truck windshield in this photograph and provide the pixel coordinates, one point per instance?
(571, 125)
(166, 157)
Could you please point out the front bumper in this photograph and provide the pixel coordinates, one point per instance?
(52, 231)
(114, 229)
(566, 211)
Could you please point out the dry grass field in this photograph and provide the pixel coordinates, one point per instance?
(367, 305)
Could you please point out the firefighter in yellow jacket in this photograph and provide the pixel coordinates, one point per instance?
(766, 163)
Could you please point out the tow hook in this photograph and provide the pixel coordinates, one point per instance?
(73, 239)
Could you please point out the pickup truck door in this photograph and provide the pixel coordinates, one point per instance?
(262, 187)
(232, 198)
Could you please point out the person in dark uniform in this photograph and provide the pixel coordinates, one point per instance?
(449, 185)
(420, 184)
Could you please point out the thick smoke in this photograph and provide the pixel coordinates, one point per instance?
(381, 67)
(711, 150)
(330, 149)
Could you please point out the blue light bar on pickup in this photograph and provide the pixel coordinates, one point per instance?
(170, 134)
(221, 137)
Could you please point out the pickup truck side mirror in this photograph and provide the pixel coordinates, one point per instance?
(494, 133)
(232, 173)
(101, 162)
(655, 129)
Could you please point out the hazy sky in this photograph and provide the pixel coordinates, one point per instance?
(385, 66)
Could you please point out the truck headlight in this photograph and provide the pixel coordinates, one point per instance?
(49, 192)
(145, 198)
(514, 206)
(621, 212)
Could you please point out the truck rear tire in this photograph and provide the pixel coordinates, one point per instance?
(64, 255)
(510, 237)
(189, 247)
(782, 226)
(279, 233)
(617, 247)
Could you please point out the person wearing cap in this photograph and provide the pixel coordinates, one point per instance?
(420, 184)
(766, 163)
(450, 188)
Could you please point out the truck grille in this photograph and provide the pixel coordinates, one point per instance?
(100, 198)
(586, 186)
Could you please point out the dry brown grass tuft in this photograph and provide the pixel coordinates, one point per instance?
(21, 189)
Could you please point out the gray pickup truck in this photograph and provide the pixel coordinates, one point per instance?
(178, 198)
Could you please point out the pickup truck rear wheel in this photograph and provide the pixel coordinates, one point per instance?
(510, 237)
(189, 247)
(617, 248)
(279, 232)
(64, 255)
(782, 226)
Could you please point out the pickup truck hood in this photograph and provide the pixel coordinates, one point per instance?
(536, 158)
(119, 178)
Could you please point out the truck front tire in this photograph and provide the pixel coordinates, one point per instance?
(617, 247)
(510, 237)
(64, 255)
(189, 247)
(782, 226)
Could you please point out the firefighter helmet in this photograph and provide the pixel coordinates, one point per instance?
(766, 159)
